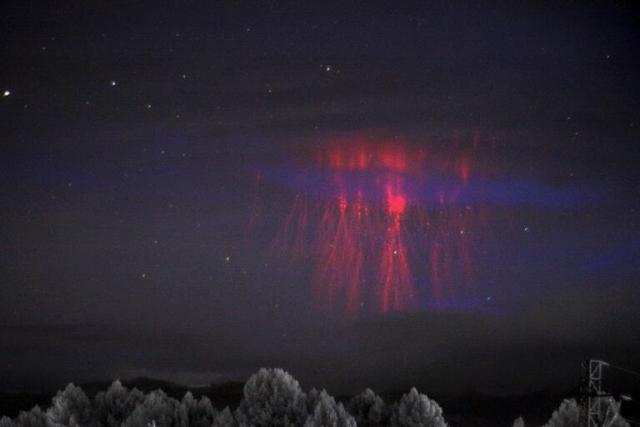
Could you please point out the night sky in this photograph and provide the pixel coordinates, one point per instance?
(378, 194)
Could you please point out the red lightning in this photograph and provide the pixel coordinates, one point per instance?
(370, 236)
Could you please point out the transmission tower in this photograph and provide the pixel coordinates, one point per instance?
(599, 409)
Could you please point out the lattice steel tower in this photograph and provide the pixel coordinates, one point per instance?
(598, 408)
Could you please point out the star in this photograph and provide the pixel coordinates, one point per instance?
(113, 83)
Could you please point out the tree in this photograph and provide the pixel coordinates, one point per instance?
(7, 422)
(368, 409)
(568, 415)
(519, 422)
(312, 400)
(71, 408)
(417, 410)
(225, 419)
(114, 405)
(272, 397)
(156, 409)
(329, 414)
(196, 412)
(33, 418)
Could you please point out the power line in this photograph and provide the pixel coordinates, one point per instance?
(628, 371)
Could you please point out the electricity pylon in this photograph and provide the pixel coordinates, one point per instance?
(598, 408)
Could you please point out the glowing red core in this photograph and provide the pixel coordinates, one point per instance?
(396, 202)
